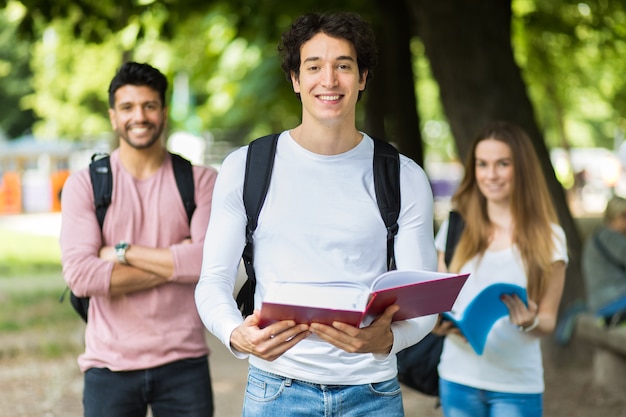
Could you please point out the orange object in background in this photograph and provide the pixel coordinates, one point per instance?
(57, 180)
(11, 193)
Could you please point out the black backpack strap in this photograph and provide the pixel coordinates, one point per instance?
(102, 184)
(387, 187)
(183, 172)
(455, 229)
(259, 164)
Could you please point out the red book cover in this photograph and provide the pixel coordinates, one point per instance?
(418, 293)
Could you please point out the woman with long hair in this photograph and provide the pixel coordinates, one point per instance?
(511, 235)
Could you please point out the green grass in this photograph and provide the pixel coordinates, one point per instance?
(22, 253)
(32, 302)
(32, 320)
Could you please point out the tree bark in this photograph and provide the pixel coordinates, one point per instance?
(391, 110)
(468, 43)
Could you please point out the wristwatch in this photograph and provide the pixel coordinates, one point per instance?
(120, 252)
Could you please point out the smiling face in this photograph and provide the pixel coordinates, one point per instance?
(329, 81)
(494, 170)
(138, 116)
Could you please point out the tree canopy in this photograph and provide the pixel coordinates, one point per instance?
(15, 73)
(570, 54)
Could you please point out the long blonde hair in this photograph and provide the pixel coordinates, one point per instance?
(531, 207)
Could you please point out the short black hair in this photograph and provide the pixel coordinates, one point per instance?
(139, 74)
(343, 25)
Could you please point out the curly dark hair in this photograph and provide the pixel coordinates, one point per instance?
(139, 74)
(343, 25)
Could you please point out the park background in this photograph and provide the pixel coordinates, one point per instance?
(445, 68)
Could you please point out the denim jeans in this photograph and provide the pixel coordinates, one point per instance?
(273, 395)
(177, 389)
(462, 401)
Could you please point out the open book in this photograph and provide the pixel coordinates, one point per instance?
(418, 293)
(482, 312)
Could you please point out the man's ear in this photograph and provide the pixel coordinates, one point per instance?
(112, 119)
(295, 82)
(363, 80)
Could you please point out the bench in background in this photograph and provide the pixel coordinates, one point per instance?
(609, 351)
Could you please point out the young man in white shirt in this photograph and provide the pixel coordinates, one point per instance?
(320, 222)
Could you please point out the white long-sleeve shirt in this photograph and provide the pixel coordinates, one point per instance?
(320, 222)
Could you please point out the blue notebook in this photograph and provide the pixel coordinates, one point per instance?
(483, 311)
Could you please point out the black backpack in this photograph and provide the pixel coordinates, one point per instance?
(417, 364)
(259, 164)
(102, 184)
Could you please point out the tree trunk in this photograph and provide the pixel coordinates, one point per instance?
(392, 105)
(468, 43)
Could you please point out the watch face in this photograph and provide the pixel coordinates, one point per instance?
(120, 252)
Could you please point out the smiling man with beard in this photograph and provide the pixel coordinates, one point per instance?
(145, 344)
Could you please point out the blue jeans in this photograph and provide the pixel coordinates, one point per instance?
(462, 401)
(273, 395)
(177, 389)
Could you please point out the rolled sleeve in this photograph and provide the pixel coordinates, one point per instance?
(80, 239)
(188, 257)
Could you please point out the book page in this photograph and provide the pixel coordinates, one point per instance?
(329, 295)
(401, 278)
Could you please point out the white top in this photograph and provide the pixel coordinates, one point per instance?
(512, 359)
(320, 222)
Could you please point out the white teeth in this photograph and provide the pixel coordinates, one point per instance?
(329, 98)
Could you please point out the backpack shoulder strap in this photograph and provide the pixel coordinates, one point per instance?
(455, 229)
(387, 186)
(102, 184)
(183, 172)
(259, 165)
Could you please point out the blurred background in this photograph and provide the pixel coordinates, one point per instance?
(57, 58)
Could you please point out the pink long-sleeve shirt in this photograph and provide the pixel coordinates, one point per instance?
(147, 328)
